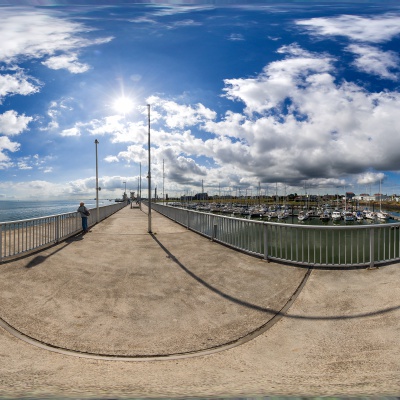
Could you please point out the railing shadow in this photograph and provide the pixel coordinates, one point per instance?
(39, 259)
(268, 310)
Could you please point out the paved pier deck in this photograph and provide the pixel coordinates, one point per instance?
(121, 313)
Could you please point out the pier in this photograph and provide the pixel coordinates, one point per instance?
(119, 312)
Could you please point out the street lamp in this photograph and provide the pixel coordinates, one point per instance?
(149, 174)
(140, 186)
(96, 142)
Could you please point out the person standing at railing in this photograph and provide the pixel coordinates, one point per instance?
(84, 215)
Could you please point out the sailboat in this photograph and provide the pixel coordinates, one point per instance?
(381, 215)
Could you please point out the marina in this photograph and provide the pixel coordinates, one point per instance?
(344, 244)
(325, 215)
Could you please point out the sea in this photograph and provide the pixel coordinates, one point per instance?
(17, 210)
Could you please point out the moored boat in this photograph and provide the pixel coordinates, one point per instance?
(325, 217)
(336, 215)
(382, 215)
(303, 216)
(348, 216)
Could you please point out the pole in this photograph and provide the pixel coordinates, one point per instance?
(96, 142)
(140, 186)
(163, 181)
(149, 174)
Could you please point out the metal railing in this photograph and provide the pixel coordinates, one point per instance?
(21, 237)
(316, 245)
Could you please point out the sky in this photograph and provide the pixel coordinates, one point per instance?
(243, 97)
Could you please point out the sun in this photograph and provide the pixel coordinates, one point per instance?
(123, 105)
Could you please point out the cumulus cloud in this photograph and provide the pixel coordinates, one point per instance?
(71, 132)
(69, 62)
(370, 178)
(6, 145)
(179, 116)
(111, 159)
(310, 126)
(135, 153)
(275, 84)
(17, 83)
(300, 125)
(377, 29)
(13, 124)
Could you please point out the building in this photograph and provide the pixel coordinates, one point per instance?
(201, 196)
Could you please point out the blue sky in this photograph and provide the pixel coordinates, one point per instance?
(285, 95)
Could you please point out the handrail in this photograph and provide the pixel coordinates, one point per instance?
(20, 237)
(311, 245)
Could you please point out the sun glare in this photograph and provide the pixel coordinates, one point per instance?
(123, 105)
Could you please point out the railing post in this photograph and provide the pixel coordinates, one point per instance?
(214, 231)
(371, 248)
(265, 235)
(1, 243)
(187, 219)
(57, 229)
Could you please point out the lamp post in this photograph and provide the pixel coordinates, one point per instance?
(96, 142)
(125, 187)
(140, 186)
(149, 174)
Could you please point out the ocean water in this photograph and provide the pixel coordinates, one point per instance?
(17, 210)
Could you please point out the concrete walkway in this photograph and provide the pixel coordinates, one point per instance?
(122, 313)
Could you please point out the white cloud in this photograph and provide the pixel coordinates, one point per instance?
(18, 83)
(35, 34)
(58, 110)
(166, 9)
(108, 125)
(319, 129)
(66, 61)
(13, 124)
(134, 153)
(7, 145)
(300, 125)
(370, 178)
(23, 165)
(178, 116)
(75, 131)
(279, 79)
(184, 23)
(34, 162)
(374, 61)
(111, 159)
(236, 37)
(377, 29)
